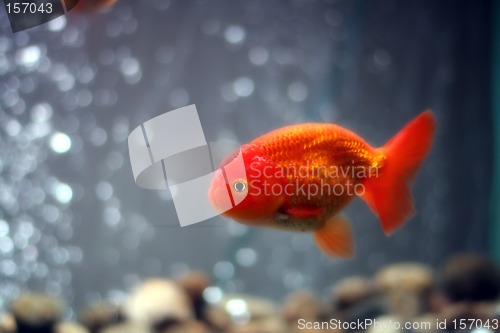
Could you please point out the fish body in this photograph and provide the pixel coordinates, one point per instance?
(300, 177)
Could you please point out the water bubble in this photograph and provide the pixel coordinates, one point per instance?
(4, 228)
(281, 253)
(57, 24)
(300, 242)
(258, 55)
(246, 257)
(41, 270)
(86, 75)
(84, 98)
(28, 85)
(75, 254)
(123, 53)
(22, 38)
(227, 93)
(107, 97)
(283, 56)
(107, 57)
(210, 27)
(112, 216)
(236, 307)
(65, 231)
(131, 281)
(162, 4)
(114, 29)
(481, 330)
(243, 87)
(131, 240)
(13, 82)
(60, 143)
(36, 195)
(131, 69)
(98, 136)
(236, 229)
(13, 127)
(178, 98)
(72, 36)
(224, 270)
(51, 213)
(5, 44)
(4, 64)
(29, 56)
(65, 81)
(165, 55)
(235, 34)
(104, 191)
(8, 267)
(30, 253)
(212, 295)
(60, 255)
(328, 112)
(41, 112)
(130, 26)
(297, 91)
(6, 245)
(44, 65)
(11, 98)
(238, 310)
(120, 129)
(382, 59)
(178, 269)
(114, 160)
(62, 192)
(293, 280)
(26, 229)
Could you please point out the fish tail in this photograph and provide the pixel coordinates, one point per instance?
(388, 194)
(335, 238)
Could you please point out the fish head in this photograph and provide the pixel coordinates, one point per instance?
(242, 187)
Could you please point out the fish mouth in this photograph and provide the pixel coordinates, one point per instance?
(219, 195)
(215, 198)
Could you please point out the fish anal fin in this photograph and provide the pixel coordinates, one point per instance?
(302, 212)
(335, 238)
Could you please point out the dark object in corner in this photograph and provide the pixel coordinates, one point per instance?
(471, 278)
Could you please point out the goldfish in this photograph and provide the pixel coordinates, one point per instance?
(301, 177)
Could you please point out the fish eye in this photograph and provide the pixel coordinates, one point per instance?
(239, 186)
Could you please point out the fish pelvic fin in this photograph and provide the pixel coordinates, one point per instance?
(388, 194)
(335, 238)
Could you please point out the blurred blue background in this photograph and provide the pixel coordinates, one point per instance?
(72, 220)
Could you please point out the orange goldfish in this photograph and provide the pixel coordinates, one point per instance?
(300, 177)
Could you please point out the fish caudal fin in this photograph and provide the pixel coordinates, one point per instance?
(388, 194)
(335, 238)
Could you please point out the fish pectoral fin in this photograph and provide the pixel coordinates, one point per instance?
(302, 212)
(335, 238)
